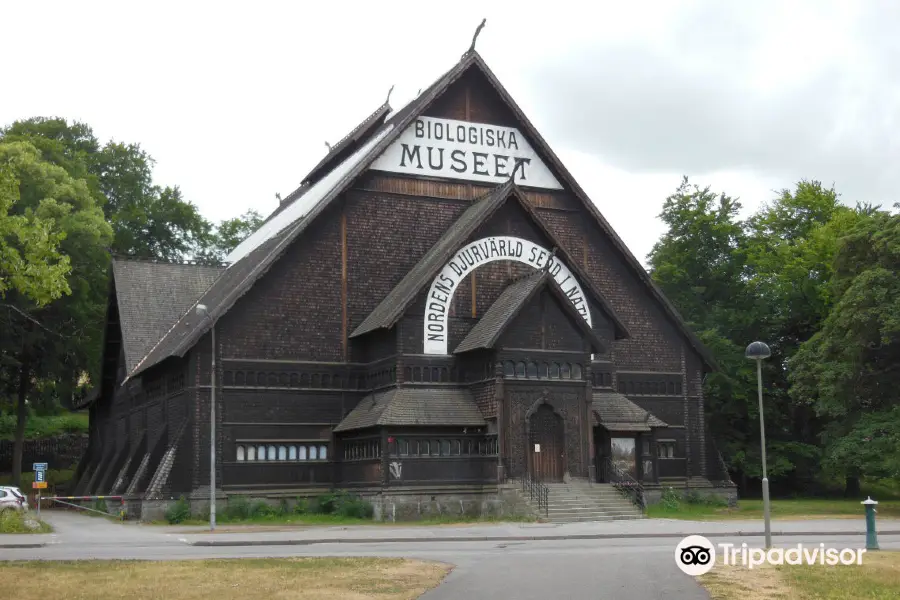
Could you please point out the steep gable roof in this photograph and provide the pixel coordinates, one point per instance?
(392, 307)
(151, 296)
(266, 244)
(510, 303)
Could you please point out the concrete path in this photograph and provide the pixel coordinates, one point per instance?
(97, 529)
(634, 562)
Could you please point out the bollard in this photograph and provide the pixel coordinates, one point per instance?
(871, 535)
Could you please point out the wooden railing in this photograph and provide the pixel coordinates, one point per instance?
(627, 485)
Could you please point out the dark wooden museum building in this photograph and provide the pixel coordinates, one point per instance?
(437, 309)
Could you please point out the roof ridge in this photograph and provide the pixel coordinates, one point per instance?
(124, 257)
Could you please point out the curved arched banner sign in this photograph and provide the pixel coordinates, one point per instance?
(482, 252)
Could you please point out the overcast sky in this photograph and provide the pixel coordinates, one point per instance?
(235, 100)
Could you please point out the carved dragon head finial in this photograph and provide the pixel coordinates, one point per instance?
(475, 37)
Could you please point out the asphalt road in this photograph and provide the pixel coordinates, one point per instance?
(615, 569)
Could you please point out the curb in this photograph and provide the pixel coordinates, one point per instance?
(22, 546)
(523, 538)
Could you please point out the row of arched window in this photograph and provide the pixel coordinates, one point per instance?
(533, 370)
(446, 447)
(672, 387)
(292, 452)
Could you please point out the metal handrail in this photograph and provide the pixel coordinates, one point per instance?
(537, 491)
(627, 485)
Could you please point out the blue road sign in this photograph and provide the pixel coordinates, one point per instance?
(40, 476)
(40, 467)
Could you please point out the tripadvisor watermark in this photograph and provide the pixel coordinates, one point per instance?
(695, 555)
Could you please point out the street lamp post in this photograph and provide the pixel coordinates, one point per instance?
(759, 351)
(201, 310)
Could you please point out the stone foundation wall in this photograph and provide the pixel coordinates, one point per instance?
(413, 504)
(410, 504)
(727, 491)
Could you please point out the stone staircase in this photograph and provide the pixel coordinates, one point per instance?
(581, 501)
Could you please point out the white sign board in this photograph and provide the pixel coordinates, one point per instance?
(464, 150)
(537, 447)
(482, 252)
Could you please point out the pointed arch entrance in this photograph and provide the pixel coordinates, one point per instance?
(546, 443)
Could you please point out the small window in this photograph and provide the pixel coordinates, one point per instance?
(554, 371)
(532, 370)
(292, 452)
(520, 369)
(423, 448)
(271, 455)
(435, 448)
(544, 371)
(509, 369)
(282, 452)
(260, 453)
(323, 453)
(251, 453)
(666, 449)
(313, 453)
(566, 371)
(403, 447)
(455, 448)
(576, 371)
(302, 453)
(646, 446)
(445, 447)
(240, 453)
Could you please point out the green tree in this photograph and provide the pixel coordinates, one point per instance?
(51, 340)
(228, 234)
(767, 277)
(148, 220)
(847, 371)
(30, 262)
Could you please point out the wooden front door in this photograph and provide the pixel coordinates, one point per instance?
(546, 448)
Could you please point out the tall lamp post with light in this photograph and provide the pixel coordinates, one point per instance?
(759, 351)
(202, 311)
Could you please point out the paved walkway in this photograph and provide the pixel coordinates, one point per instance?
(99, 530)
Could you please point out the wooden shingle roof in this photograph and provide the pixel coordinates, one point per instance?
(616, 412)
(414, 406)
(151, 296)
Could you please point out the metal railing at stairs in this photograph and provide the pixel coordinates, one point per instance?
(538, 492)
(627, 485)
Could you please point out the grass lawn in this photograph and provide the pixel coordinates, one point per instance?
(285, 579)
(878, 578)
(801, 508)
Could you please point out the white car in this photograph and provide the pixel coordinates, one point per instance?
(12, 498)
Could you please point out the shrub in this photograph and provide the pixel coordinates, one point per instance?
(261, 509)
(284, 508)
(302, 506)
(12, 521)
(670, 499)
(178, 512)
(238, 508)
(356, 507)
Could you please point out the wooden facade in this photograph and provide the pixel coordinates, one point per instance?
(321, 379)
